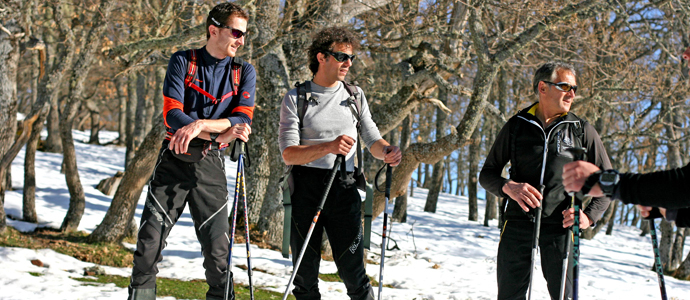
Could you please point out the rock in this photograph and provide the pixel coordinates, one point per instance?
(109, 185)
(93, 271)
(37, 262)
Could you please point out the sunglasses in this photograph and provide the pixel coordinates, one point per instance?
(340, 56)
(236, 33)
(563, 86)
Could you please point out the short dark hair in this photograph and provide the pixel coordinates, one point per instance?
(325, 39)
(548, 72)
(222, 13)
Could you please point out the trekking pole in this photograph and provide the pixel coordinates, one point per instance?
(535, 241)
(239, 188)
(246, 223)
(338, 160)
(578, 153)
(657, 260)
(389, 177)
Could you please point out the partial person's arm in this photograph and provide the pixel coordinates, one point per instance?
(303, 154)
(596, 154)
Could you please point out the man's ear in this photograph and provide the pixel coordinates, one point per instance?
(541, 87)
(320, 57)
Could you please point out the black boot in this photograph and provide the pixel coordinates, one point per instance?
(141, 294)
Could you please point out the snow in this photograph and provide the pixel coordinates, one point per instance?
(441, 256)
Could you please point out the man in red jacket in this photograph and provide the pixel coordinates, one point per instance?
(208, 102)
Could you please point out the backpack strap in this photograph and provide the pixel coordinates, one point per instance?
(235, 76)
(356, 100)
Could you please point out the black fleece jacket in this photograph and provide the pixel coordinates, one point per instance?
(539, 155)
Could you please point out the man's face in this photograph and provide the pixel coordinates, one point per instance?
(224, 39)
(332, 68)
(554, 100)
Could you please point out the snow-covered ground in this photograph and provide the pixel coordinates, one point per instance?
(441, 256)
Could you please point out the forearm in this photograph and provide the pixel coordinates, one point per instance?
(377, 149)
(667, 188)
(302, 154)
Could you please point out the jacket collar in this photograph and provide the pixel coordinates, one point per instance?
(210, 60)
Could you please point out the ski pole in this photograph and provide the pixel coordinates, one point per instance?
(389, 177)
(239, 188)
(578, 153)
(657, 260)
(535, 242)
(338, 160)
(246, 224)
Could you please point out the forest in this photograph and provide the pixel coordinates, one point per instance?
(441, 76)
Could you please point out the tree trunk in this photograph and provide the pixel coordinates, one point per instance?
(29, 195)
(77, 200)
(437, 176)
(95, 127)
(264, 197)
(665, 244)
(120, 87)
(400, 209)
(141, 114)
(53, 143)
(116, 222)
(9, 59)
(644, 228)
(683, 272)
(473, 173)
(677, 253)
(130, 142)
(612, 218)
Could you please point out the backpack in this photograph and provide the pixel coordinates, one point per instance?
(286, 182)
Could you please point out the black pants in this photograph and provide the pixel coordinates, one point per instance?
(341, 218)
(514, 259)
(175, 183)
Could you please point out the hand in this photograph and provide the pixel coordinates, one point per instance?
(241, 131)
(569, 219)
(523, 193)
(575, 174)
(645, 210)
(179, 142)
(392, 155)
(341, 145)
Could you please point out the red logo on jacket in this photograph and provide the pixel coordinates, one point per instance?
(245, 94)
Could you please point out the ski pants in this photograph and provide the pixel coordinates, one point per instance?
(173, 184)
(514, 259)
(341, 219)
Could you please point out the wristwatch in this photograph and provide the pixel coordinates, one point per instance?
(213, 136)
(590, 182)
(607, 182)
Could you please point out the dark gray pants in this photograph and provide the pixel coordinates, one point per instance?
(175, 183)
(342, 220)
(514, 259)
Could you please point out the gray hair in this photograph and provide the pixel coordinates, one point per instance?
(548, 72)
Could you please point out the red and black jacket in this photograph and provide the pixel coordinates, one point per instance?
(216, 89)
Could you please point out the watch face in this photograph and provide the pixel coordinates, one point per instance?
(608, 178)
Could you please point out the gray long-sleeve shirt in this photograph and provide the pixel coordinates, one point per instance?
(324, 122)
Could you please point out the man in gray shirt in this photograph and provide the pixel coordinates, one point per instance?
(328, 129)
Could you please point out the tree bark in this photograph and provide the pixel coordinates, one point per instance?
(53, 143)
(116, 222)
(437, 176)
(95, 127)
(264, 196)
(79, 73)
(473, 173)
(9, 59)
(665, 244)
(120, 87)
(677, 253)
(130, 142)
(400, 209)
(29, 194)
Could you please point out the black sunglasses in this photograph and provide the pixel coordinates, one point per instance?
(236, 33)
(563, 86)
(340, 56)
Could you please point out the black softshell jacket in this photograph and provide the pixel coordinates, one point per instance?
(668, 188)
(540, 154)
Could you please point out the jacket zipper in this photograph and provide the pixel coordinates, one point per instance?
(546, 143)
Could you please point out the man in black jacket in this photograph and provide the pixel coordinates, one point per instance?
(535, 142)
